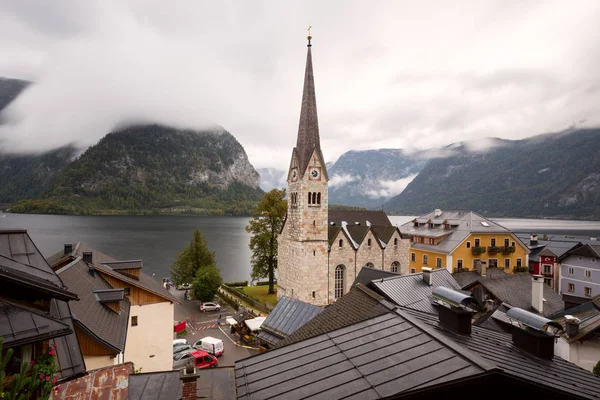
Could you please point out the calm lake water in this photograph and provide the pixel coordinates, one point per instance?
(158, 240)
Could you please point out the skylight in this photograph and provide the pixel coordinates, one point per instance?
(484, 223)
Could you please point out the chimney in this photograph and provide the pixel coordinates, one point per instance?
(88, 257)
(68, 248)
(454, 311)
(427, 278)
(535, 334)
(437, 212)
(481, 268)
(189, 377)
(537, 293)
(489, 305)
(572, 325)
(533, 241)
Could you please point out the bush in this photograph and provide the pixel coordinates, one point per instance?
(264, 283)
(596, 369)
(237, 284)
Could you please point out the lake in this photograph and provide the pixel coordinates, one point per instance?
(157, 240)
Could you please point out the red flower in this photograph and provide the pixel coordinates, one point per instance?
(54, 345)
(31, 363)
(41, 376)
(47, 378)
(51, 352)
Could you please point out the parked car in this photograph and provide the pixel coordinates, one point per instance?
(184, 286)
(211, 345)
(179, 342)
(204, 307)
(182, 347)
(200, 358)
(183, 354)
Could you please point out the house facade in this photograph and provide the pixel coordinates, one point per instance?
(458, 240)
(580, 272)
(149, 331)
(320, 252)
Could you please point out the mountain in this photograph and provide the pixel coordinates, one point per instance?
(370, 178)
(551, 175)
(10, 89)
(155, 169)
(271, 178)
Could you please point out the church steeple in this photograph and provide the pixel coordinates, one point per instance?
(308, 130)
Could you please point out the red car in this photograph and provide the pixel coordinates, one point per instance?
(204, 360)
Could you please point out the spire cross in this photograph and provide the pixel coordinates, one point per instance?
(309, 28)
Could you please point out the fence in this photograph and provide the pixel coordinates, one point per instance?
(255, 304)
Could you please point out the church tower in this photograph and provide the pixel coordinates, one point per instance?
(302, 271)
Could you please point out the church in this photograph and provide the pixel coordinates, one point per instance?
(320, 252)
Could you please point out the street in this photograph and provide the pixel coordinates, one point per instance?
(202, 324)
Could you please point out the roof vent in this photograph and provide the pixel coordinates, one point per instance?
(535, 334)
(427, 278)
(437, 212)
(456, 309)
(572, 325)
(88, 257)
(68, 248)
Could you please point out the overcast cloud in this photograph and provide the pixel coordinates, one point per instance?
(388, 74)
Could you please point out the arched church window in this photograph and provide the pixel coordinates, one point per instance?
(319, 198)
(309, 198)
(314, 198)
(394, 266)
(340, 271)
(341, 243)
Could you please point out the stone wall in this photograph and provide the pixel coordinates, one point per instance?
(397, 253)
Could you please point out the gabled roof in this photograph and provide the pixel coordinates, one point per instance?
(130, 264)
(466, 278)
(68, 353)
(286, 318)
(366, 275)
(20, 325)
(384, 233)
(103, 383)
(96, 319)
(358, 233)
(464, 224)
(515, 290)
(401, 352)
(412, 291)
(587, 250)
(364, 303)
(375, 218)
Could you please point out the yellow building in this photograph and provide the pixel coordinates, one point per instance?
(456, 240)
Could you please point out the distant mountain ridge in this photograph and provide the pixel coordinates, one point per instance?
(551, 175)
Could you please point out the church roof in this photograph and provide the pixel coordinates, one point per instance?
(308, 131)
(375, 218)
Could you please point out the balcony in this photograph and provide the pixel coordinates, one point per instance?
(494, 249)
(520, 269)
(508, 249)
(547, 273)
(463, 269)
(477, 250)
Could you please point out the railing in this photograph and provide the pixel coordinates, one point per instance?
(547, 273)
(494, 249)
(463, 269)
(520, 269)
(478, 250)
(261, 307)
(508, 249)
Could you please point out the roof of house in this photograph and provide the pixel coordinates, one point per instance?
(587, 250)
(164, 385)
(103, 262)
(375, 218)
(216, 384)
(515, 290)
(364, 303)
(68, 353)
(98, 320)
(289, 315)
(588, 315)
(20, 325)
(463, 224)
(412, 291)
(384, 233)
(552, 247)
(366, 275)
(399, 352)
(130, 264)
(103, 383)
(466, 278)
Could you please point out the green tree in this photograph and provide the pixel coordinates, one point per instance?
(596, 369)
(191, 260)
(207, 283)
(267, 220)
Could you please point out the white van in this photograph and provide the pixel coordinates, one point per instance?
(210, 345)
(179, 342)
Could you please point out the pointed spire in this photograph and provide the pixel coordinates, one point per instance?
(308, 131)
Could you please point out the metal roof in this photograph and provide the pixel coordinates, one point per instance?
(375, 218)
(68, 353)
(366, 275)
(466, 278)
(380, 357)
(286, 318)
(103, 383)
(109, 295)
(130, 264)
(412, 291)
(165, 385)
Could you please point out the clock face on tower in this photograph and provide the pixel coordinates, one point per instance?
(294, 175)
(314, 173)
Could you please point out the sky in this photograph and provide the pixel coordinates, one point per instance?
(389, 74)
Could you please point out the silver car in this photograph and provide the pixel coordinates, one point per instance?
(210, 306)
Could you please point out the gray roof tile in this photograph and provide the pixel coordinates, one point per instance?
(366, 275)
(375, 218)
(466, 278)
(412, 291)
(165, 385)
(287, 317)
